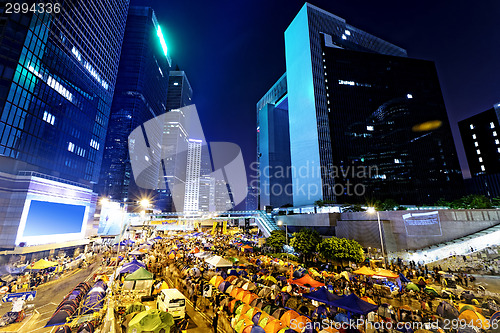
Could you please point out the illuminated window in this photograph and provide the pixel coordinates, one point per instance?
(369, 128)
(494, 133)
(498, 150)
(347, 32)
(474, 136)
(492, 125)
(478, 151)
(471, 126)
(71, 146)
(480, 159)
(409, 96)
(176, 83)
(497, 141)
(344, 37)
(476, 144)
(482, 168)
(396, 160)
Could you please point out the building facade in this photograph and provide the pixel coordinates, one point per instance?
(365, 121)
(57, 79)
(180, 93)
(481, 140)
(192, 192)
(140, 95)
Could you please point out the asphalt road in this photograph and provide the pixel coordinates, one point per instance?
(48, 298)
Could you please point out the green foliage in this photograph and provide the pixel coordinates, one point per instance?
(348, 208)
(322, 203)
(305, 241)
(283, 256)
(276, 240)
(340, 249)
(472, 201)
(387, 204)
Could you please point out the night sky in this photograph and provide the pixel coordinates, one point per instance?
(233, 51)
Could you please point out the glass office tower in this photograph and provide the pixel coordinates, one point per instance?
(360, 113)
(57, 78)
(140, 95)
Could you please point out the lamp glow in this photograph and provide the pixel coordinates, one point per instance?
(371, 210)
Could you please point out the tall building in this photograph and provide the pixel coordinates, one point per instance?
(222, 196)
(273, 147)
(140, 95)
(180, 92)
(366, 122)
(192, 193)
(57, 78)
(481, 139)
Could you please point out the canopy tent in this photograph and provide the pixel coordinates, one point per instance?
(43, 264)
(364, 271)
(354, 304)
(158, 237)
(136, 253)
(307, 281)
(152, 320)
(218, 261)
(322, 295)
(385, 273)
(403, 278)
(140, 274)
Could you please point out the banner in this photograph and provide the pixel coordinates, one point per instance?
(224, 228)
(214, 228)
(28, 296)
(422, 224)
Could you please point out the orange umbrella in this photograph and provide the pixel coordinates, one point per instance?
(248, 298)
(298, 324)
(235, 292)
(274, 326)
(368, 299)
(242, 293)
(288, 316)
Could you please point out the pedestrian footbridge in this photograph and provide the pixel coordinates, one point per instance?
(265, 222)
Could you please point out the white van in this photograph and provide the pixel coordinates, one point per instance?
(173, 302)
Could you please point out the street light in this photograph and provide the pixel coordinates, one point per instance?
(280, 223)
(372, 210)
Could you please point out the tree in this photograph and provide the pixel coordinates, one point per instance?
(348, 208)
(340, 249)
(305, 241)
(276, 240)
(472, 201)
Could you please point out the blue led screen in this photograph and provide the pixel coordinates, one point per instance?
(48, 218)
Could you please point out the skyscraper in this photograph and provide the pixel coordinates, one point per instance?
(140, 95)
(192, 193)
(481, 139)
(57, 78)
(365, 121)
(180, 92)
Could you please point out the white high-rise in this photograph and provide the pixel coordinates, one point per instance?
(192, 189)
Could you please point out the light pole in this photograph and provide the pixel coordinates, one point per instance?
(280, 223)
(372, 210)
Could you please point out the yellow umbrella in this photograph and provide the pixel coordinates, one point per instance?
(42, 264)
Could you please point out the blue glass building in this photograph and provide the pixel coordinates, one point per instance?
(355, 103)
(57, 78)
(140, 95)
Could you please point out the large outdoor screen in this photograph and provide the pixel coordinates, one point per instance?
(48, 218)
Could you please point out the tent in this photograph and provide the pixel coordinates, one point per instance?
(43, 264)
(130, 268)
(307, 281)
(152, 320)
(140, 274)
(354, 304)
(218, 261)
(386, 274)
(365, 271)
(322, 295)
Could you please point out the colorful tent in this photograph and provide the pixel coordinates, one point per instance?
(364, 271)
(322, 295)
(140, 274)
(152, 320)
(43, 264)
(307, 281)
(274, 326)
(354, 304)
(475, 318)
(386, 274)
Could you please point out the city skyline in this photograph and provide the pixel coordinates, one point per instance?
(466, 75)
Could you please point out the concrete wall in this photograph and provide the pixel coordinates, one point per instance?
(398, 235)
